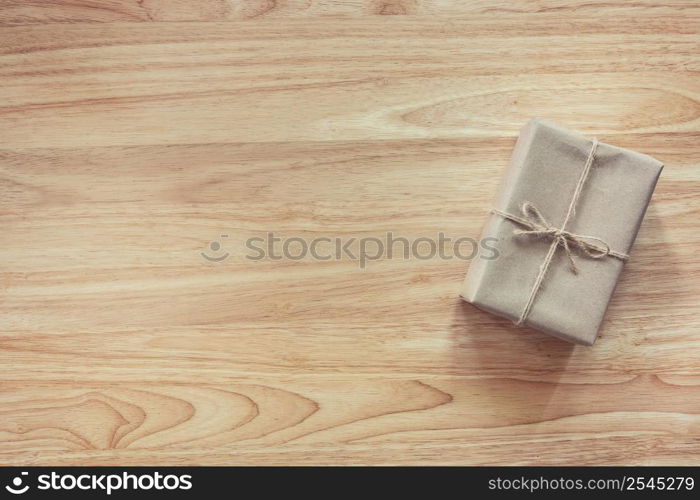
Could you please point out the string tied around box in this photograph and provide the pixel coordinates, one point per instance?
(536, 225)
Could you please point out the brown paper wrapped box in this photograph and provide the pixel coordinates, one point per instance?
(611, 188)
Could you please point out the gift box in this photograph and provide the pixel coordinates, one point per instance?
(564, 221)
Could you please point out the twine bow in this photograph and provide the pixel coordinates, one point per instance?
(536, 225)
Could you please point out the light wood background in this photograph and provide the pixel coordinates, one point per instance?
(133, 133)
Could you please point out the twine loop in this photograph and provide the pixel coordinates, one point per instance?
(538, 226)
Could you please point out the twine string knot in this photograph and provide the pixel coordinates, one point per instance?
(536, 225)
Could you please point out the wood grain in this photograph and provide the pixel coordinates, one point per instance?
(134, 133)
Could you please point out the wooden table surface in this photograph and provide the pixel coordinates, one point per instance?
(134, 134)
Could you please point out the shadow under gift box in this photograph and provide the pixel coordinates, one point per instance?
(544, 170)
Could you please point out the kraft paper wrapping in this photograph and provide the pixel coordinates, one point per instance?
(545, 167)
